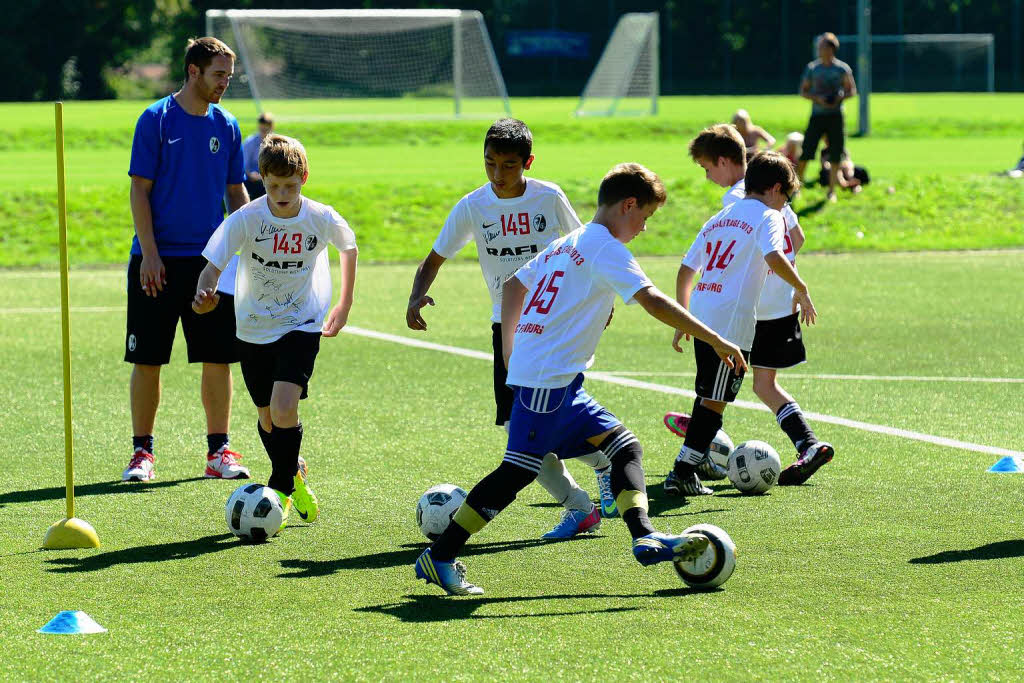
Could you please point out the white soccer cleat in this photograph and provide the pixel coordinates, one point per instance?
(224, 465)
(140, 467)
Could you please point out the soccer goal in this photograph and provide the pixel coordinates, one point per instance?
(362, 64)
(625, 80)
(927, 62)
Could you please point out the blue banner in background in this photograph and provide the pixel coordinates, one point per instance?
(547, 44)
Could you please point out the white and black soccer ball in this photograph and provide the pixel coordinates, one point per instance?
(715, 465)
(715, 565)
(754, 467)
(436, 508)
(254, 512)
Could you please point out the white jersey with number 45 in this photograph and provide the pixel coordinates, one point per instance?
(508, 232)
(570, 289)
(776, 295)
(730, 250)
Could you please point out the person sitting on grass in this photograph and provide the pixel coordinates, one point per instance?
(752, 135)
(848, 176)
(792, 147)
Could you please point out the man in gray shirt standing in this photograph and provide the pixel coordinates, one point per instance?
(826, 82)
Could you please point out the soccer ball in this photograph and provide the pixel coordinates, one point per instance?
(715, 465)
(437, 507)
(254, 512)
(714, 566)
(754, 467)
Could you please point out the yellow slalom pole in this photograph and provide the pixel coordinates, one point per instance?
(69, 532)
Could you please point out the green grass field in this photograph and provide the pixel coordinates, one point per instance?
(900, 560)
(396, 180)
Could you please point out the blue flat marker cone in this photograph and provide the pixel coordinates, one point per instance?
(1010, 463)
(72, 621)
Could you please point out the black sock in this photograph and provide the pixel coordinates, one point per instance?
(704, 425)
(264, 437)
(144, 442)
(792, 421)
(215, 442)
(284, 459)
(494, 493)
(626, 455)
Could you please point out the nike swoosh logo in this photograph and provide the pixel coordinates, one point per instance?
(171, 142)
(301, 514)
(261, 239)
(487, 225)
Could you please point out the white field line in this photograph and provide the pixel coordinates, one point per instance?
(664, 389)
(865, 378)
(55, 310)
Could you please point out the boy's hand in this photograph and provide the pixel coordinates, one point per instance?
(412, 314)
(730, 354)
(676, 339)
(205, 300)
(808, 314)
(336, 319)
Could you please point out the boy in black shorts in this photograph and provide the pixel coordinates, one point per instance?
(282, 295)
(735, 250)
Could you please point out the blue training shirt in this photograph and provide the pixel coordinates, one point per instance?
(191, 160)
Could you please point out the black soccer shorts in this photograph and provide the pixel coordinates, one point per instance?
(715, 380)
(778, 343)
(503, 395)
(288, 359)
(153, 321)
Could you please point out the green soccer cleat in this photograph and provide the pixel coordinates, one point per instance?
(303, 499)
(286, 505)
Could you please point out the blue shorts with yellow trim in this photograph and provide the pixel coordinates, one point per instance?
(557, 421)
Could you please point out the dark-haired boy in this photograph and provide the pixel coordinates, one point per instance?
(512, 218)
(553, 312)
(735, 250)
(778, 341)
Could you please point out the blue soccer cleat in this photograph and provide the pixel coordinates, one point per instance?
(659, 547)
(609, 508)
(451, 576)
(575, 522)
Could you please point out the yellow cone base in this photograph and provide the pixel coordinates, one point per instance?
(71, 533)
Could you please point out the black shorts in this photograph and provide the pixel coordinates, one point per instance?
(715, 380)
(152, 321)
(503, 395)
(288, 359)
(831, 124)
(778, 343)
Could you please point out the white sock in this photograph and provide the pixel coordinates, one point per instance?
(556, 480)
(688, 455)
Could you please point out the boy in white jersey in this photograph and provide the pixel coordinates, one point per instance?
(778, 340)
(553, 313)
(735, 250)
(282, 295)
(512, 218)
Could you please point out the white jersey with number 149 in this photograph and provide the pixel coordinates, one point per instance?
(730, 250)
(570, 289)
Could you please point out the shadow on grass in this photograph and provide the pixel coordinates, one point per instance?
(990, 551)
(812, 209)
(160, 552)
(397, 558)
(428, 608)
(99, 488)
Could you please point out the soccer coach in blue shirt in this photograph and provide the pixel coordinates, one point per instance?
(186, 156)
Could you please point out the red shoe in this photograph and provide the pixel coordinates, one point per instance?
(677, 423)
(140, 467)
(224, 465)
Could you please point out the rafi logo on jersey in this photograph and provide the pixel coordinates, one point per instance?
(539, 222)
(279, 265)
(214, 145)
(513, 252)
(311, 242)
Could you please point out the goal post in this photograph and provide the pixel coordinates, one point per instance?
(363, 63)
(626, 78)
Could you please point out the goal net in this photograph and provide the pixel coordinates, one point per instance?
(362, 63)
(625, 80)
(927, 62)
